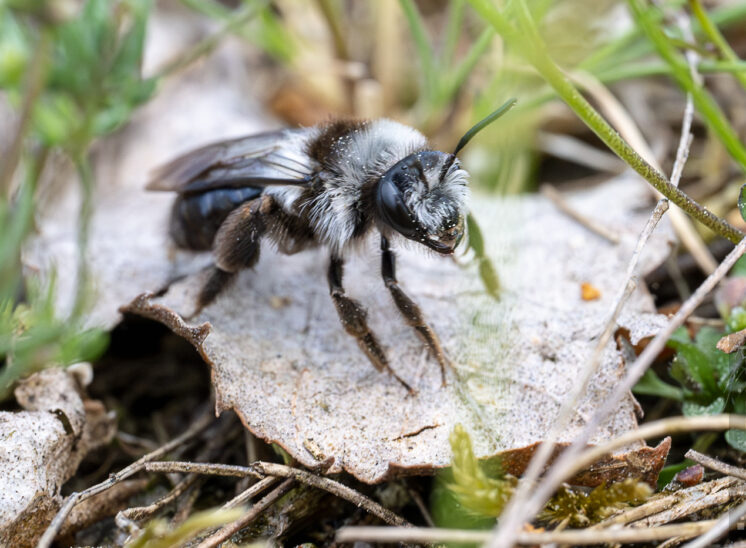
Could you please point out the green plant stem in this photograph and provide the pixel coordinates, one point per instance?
(528, 43)
(703, 101)
(36, 74)
(424, 51)
(464, 68)
(83, 167)
(715, 36)
(205, 46)
(452, 31)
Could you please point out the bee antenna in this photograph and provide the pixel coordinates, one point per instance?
(479, 126)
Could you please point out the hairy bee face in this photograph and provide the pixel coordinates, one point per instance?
(423, 197)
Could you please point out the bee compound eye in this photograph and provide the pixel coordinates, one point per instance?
(393, 210)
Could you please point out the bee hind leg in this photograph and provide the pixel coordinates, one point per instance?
(354, 319)
(236, 247)
(409, 309)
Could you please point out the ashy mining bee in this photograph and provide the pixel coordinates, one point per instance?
(328, 185)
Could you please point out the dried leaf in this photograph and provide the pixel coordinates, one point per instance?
(296, 378)
(40, 449)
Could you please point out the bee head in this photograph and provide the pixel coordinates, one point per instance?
(423, 197)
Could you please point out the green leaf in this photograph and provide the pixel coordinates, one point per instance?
(651, 385)
(742, 202)
(14, 51)
(691, 408)
(696, 364)
(736, 439)
(56, 118)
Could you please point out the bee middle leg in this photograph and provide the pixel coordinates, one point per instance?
(409, 309)
(236, 247)
(354, 319)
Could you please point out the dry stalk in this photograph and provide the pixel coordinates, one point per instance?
(721, 527)
(566, 462)
(695, 504)
(663, 427)
(571, 537)
(251, 492)
(141, 512)
(542, 456)
(714, 464)
(226, 532)
(662, 503)
(261, 469)
(626, 126)
(49, 535)
(594, 226)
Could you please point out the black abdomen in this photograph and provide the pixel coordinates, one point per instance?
(196, 218)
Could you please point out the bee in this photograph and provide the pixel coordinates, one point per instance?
(331, 186)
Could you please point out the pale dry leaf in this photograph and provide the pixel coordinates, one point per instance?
(40, 449)
(296, 378)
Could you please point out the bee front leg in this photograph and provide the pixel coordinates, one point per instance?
(409, 309)
(354, 319)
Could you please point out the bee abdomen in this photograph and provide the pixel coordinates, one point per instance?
(196, 218)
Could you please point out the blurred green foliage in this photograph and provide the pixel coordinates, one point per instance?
(73, 76)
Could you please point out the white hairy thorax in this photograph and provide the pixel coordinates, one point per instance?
(367, 153)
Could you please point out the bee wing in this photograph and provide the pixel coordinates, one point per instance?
(272, 158)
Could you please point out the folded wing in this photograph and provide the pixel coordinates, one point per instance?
(271, 158)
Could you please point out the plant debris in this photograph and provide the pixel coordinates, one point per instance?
(41, 449)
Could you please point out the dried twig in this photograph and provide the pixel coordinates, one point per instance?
(140, 512)
(542, 456)
(695, 504)
(663, 427)
(571, 536)
(251, 492)
(49, 535)
(662, 503)
(628, 129)
(262, 469)
(231, 529)
(591, 224)
(721, 527)
(566, 462)
(714, 464)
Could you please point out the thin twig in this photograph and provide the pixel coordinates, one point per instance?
(663, 503)
(626, 126)
(250, 493)
(714, 464)
(564, 465)
(49, 535)
(687, 507)
(663, 427)
(261, 469)
(594, 226)
(388, 535)
(231, 529)
(546, 449)
(139, 512)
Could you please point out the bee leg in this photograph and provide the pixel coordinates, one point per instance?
(236, 247)
(353, 317)
(409, 309)
(214, 286)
